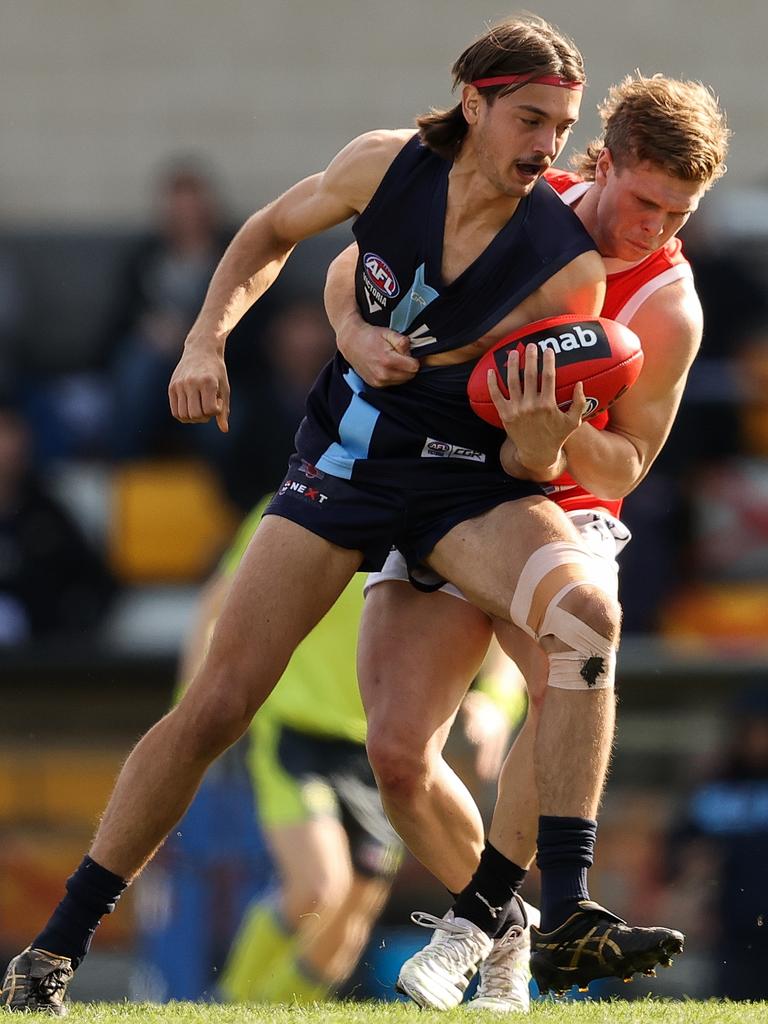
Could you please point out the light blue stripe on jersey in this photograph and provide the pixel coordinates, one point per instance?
(355, 432)
(414, 301)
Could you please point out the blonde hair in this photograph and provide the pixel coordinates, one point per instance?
(522, 45)
(677, 125)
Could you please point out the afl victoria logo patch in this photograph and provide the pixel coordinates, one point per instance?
(379, 276)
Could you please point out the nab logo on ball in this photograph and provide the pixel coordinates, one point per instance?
(585, 340)
(380, 276)
(602, 354)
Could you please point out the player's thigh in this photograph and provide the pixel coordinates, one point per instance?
(417, 654)
(286, 581)
(484, 556)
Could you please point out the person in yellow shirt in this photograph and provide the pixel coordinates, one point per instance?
(316, 799)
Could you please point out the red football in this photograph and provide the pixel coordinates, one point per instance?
(604, 354)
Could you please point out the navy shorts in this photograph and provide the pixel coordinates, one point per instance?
(373, 519)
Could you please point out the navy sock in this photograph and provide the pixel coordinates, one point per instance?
(566, 849)
(488, 901)
(92, 892)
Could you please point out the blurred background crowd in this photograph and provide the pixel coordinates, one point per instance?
(112, 514)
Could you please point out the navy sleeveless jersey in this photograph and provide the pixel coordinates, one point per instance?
(389, 434)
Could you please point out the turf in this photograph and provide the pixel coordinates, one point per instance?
(650, 1011)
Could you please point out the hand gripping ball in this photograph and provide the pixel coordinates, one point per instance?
(604, 354)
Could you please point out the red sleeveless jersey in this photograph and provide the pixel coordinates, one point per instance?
(626, 291)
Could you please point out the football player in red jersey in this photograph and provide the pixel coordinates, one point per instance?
(662, 147)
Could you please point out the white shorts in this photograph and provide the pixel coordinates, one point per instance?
(603, 534)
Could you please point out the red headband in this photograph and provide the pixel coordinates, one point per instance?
(562, 83)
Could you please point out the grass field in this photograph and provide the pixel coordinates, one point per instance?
(650, 1011)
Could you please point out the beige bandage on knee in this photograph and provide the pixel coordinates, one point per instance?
(551, 572)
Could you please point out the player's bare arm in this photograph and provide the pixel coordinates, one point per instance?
(578, 288)
(380, 356)
(199, 388)
(612, 462)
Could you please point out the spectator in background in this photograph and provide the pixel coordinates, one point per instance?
(163, 285)
(728, 533)
(725, 825)
(298, 342)
(713, 424)
(52, 583)
(711, 575)
(11, 312)
(730, 276)
(752, 375)
(732, 286)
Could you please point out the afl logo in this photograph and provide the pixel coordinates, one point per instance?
(380, 276)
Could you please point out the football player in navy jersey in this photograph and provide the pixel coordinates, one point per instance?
(491, 250)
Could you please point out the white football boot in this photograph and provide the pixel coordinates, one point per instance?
(437, 976)
(506, 972)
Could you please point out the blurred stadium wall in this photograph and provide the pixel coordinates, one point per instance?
(95, 95)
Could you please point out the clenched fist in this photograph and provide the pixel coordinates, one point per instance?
(199, 388)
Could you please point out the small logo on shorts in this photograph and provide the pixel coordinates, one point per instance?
(311, 471)
(442, 450)
(303, 491)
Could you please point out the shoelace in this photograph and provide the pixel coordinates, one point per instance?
(452, 955)
(54, 983)
(498, 974)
